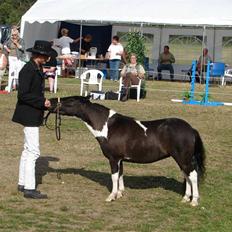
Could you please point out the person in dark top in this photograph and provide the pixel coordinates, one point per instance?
(29, 112)
(49, 70)
(85, 44)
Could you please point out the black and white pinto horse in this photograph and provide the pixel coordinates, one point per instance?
(123, 138)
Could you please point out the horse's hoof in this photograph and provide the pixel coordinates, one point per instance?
(194, 203)
(185, 199)
(111, 197)
(119, 194)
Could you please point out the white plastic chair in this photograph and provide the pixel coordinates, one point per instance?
(93, 52)
(138, 87)
(91, 77)
(14, 75)
(227, 76)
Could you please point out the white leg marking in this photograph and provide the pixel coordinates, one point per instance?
(193, 179)
(104, 131)
(121, 183)
(114, 192)
(142, 126)
(121, 187)
(188, 190)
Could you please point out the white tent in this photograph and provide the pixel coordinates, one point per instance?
(41, 21)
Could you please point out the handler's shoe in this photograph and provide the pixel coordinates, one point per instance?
(34, 194)
(20, 188)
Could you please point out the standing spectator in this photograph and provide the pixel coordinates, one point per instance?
(3, 63)
(29, 113)
(203, 61)
(86, 44)
(115, 55)
(16, 56)
(64, 42)
(131, 74)
(49, 70)
(166, 59)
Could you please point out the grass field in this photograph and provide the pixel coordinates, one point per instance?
(76, 176)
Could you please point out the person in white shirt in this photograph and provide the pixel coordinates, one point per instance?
(115, 55)
(64, 42)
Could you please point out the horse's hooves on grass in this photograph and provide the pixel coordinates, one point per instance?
(119, 194)
(111, 197)
(185, 199)
(194, 203)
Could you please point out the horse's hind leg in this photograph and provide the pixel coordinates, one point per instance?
(121, 187)
(195, 193)
(115, 180)
(188, 190)
(191, 188)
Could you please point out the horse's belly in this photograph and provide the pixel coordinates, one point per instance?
(145, 155)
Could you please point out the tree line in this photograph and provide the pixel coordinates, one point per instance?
(11, 11)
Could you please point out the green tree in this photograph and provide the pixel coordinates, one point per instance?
(11, 11)
(136, 44)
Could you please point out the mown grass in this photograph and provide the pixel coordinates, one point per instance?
(76, 176)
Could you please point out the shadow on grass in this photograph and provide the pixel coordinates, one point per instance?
(42, 167)
(133, 182)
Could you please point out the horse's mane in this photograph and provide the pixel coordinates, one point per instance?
(98, 107)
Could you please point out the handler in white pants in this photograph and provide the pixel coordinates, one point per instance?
(29, 156)
(29, 113)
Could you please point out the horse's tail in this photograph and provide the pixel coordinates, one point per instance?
(199, 155)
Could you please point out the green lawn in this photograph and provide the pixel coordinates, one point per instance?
(76, 176)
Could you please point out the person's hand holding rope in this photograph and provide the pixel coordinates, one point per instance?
(47, 103)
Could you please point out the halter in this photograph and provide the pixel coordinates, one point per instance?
(57, 120)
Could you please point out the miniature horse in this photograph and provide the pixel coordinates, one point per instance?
(122, 138)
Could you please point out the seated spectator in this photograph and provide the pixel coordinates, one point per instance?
(166, 59)
(131, 74)
(203, 61)
(49, 70)
(3, 63)
(190, 73)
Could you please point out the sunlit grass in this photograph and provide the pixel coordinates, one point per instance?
(76, 176)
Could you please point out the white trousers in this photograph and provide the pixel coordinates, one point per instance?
(15, 65)
(28, 158)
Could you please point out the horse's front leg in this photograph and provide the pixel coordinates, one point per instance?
(121, 187)
(114, 164)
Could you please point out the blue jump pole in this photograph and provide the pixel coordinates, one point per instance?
(205, 101)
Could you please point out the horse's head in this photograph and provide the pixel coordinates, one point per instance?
(71, 106)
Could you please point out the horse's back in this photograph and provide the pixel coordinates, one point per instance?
(146, 141)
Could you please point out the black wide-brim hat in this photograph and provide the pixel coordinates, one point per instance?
(43, 47)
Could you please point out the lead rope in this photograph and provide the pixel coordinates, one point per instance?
(58, 135)
(58, 120)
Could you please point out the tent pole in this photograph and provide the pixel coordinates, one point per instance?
(80, 50)
(202, 48)
(214, 40)
(160, 39)
(141, 29)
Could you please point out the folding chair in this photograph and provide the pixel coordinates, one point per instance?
(91, 77)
